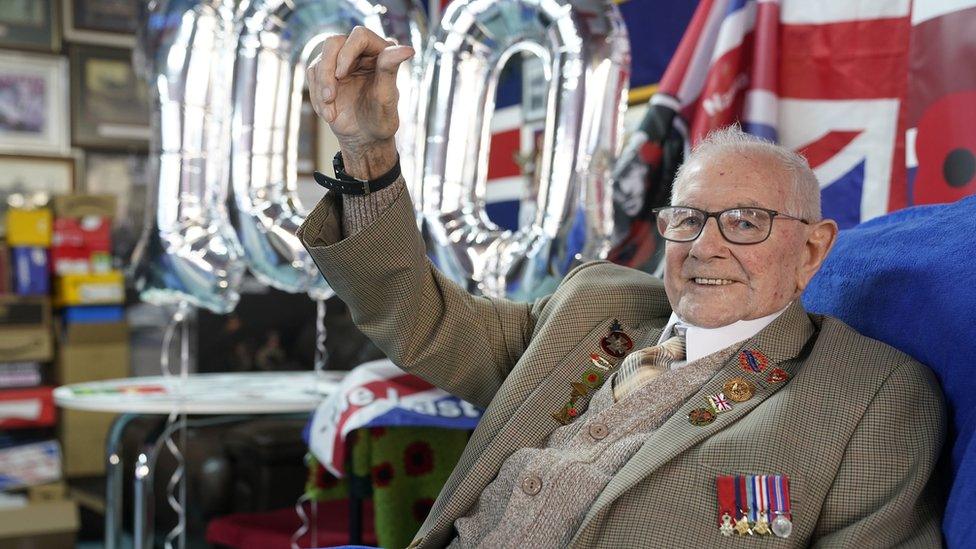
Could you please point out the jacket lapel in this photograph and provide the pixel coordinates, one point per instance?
(533, 420)
(780, 342)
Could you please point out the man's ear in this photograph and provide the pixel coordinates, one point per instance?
(820, 239)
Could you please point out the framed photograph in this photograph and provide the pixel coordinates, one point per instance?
(103, 22)
(34, 177)
(109, 102)
(126, 176)
(29, 24)
(33, 103)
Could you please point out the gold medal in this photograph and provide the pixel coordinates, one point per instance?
(739, 389)
(742, 526)
(762, 525)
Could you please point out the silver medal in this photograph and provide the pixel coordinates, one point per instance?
(782, 526)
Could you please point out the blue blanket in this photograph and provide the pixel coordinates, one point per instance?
(909, 279)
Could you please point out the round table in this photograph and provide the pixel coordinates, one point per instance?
(198, 394)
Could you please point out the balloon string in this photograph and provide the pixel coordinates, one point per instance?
(304, 528)
(321, 353)
(177, 482)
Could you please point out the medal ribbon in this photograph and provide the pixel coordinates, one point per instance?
(762, 496)
(726, 497)
(741, 497)
(779, 488)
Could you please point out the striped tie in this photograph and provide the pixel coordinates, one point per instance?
(644, 365)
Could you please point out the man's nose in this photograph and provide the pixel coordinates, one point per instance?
(710, 243)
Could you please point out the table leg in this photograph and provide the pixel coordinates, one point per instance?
(142, 524)
(113, 481)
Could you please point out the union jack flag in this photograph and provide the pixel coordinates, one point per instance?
(719, 403)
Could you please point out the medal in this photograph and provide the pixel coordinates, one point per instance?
(758, 497)
(779, 498)
(753, 361)
(741, 503)
(739, 389)
(701, 417)
(616, 343)
(725, 489)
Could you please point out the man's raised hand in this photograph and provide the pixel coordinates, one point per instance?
(352, 84)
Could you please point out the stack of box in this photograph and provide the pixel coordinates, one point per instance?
(93, 336)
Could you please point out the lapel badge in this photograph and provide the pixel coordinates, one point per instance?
(590, 381)
(600, 362)
(719, 403)
(616, 343)
(739, 389)
(700, 417)
(753, 361)
(777, 375)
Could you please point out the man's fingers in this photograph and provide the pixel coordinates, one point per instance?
(360, 41)
(387, 64)
(325, 68)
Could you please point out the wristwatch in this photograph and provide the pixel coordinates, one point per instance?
(346, 184)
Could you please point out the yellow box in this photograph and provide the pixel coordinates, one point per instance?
(90, 289)
(29, 227)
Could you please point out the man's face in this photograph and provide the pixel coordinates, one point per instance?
(711, 282)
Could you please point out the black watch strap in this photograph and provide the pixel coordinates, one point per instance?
(346, 184)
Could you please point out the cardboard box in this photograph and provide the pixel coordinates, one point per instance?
(89, 352)
(81, 245)
(30, 465)
(90, 289)
(93, 352)
(84, 205)
(25, 329)
(47, 525)
(82, 436)
(52, 491)
(31, 408)
(29, 227)
(31, 272)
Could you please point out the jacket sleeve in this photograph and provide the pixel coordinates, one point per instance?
(424, 322)
(884, 493)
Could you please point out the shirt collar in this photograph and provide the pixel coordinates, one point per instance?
(701, 342)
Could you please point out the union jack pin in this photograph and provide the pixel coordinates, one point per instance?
(719, 403)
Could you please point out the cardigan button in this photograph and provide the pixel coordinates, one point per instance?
(531, 485)
(598, 431)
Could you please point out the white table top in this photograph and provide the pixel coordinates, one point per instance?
(234, 393)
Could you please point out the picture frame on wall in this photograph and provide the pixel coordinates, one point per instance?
(109, 101)
(33, 103)
(30, 25)
(31, 175)
(126, 176)
(102, 22)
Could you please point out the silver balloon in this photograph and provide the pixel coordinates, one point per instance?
(188, 251)
(586, 54)
(277, 39)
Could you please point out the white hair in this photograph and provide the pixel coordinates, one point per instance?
(802, 202)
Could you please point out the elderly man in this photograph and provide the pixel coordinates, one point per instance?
(713, 411)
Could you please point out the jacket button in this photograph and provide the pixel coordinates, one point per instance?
(599, 431)
(531, 485)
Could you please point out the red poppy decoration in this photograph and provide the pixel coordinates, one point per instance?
(418, 458)
(945, 146)
(421, 508)
(753, 361)
(382, 474)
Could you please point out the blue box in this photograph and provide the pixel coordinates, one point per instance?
(93, 314)
(31, 270)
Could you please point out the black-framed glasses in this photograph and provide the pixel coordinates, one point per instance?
(745, 225)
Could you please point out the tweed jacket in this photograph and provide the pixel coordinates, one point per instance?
(857, 427)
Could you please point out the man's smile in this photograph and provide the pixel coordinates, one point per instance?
(712, 281)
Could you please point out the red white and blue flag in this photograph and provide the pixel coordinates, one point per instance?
(826, 79)
(379, 394)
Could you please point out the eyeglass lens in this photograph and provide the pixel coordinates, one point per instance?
(740, 225)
